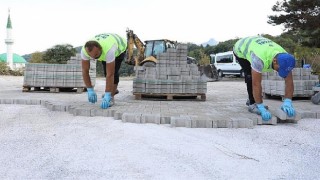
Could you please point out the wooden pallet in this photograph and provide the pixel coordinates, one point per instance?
(52, 89)
(170, 97)
(295, 97)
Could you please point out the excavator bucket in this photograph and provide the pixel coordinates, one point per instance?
(208, 72)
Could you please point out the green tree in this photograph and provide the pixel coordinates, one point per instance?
(59, 54)
(36, 57)
(204, 58)
(300, 18)
(4, 68)
(225, 46)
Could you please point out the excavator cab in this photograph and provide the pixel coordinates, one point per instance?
(155, 47)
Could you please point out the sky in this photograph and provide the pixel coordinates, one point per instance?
(40, 24)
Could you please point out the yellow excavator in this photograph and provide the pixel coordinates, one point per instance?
(146, 54)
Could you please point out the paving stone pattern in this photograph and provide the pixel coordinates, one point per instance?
(175, 114)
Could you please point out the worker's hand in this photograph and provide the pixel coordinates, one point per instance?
(106, 100)
(265, 114)
(92, 96)
(288, 108)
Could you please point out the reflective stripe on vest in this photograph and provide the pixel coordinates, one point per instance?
(106, 41)
(262, 47)
(120, 41)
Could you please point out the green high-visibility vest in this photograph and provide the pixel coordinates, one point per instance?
(262, 47)
(106, 41)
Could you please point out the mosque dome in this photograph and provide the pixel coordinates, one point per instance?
(16, 58)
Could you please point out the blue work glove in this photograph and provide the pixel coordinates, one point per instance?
(265, 114)
(92, 96)
(106, 100)
(288, 108)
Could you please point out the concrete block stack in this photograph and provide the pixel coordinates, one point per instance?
(57, 75)
(171, 75)
(303, 80)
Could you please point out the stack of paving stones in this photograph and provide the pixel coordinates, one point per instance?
(171, 75)
(56, 76)
(303, 80)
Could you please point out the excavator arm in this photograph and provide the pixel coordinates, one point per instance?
(133, 40)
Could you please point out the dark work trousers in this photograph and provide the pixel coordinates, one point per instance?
(246, 67)
(118, 61)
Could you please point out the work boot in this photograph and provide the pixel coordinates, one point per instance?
(253, 109)
(316, 98)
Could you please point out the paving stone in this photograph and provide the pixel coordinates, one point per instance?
(118, 115)
(180, 121)
(71, 109)
(241, 122)
(201, 122)
(7, 101)
(165, 119)
(222, 123)
(82, 112)
(131, 117)
(308, 114)
(56, 107)
(150, 118)
(272, 121)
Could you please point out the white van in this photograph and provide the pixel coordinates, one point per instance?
(226, 64)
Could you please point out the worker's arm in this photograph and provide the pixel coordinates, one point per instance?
(110, 67)
(289, 86)
(256, 86)
(85, 73)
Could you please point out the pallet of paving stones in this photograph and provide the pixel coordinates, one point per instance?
(170, 96)
(53, 89)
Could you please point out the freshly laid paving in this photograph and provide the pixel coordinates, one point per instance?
(224, 107)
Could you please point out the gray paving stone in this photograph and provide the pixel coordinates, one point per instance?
(71, 109)
(118, 115)
(131, 117)
(272, 121)
(201, 122)
(82, 112)
(7, 101)
(308, 114)
(241, 122)
(222, 123)
(56, 107)
(165, 119)
(150, 118)
(180, 121)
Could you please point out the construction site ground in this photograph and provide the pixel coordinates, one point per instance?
(39, 141)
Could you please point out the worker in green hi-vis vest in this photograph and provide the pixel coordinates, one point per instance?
(110, 49)
(256, 55)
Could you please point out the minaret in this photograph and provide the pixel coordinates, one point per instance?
(9, 42)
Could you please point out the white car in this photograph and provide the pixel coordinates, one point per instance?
(226, 64)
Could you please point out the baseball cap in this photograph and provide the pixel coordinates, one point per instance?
(286, 64)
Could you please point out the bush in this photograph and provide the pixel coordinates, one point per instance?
(5, 70)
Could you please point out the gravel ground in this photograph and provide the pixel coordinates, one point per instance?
(36, 143)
